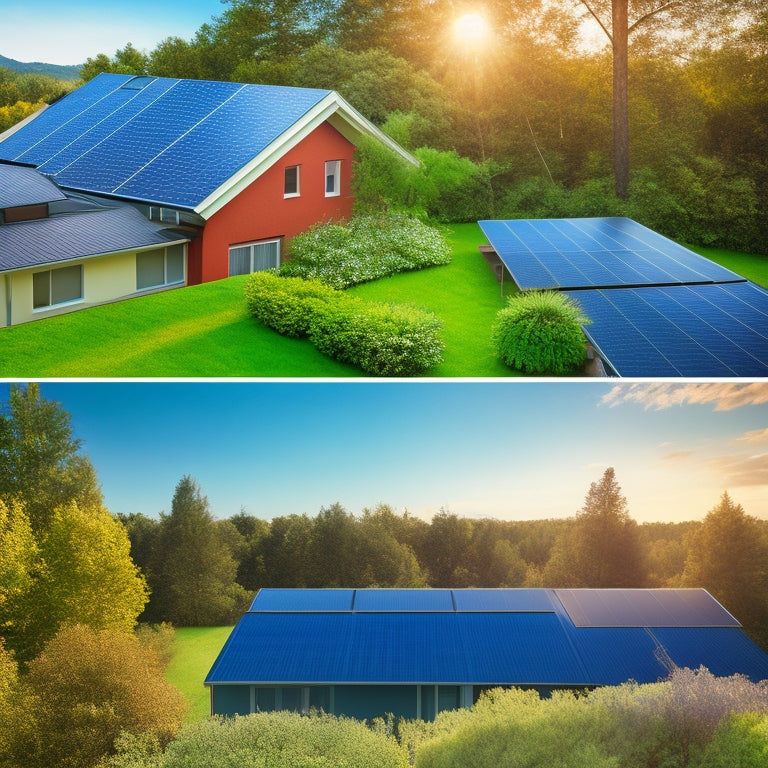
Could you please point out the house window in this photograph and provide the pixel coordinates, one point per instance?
(57, 286)
(165, 215)
(254, 257)
(291, 182)
(163, 266)
(332, 178)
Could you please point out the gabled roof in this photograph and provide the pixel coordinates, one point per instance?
(544, 637)
(25, 186)
(81, 235)
(189, 144)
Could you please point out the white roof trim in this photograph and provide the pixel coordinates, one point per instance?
(346, 119)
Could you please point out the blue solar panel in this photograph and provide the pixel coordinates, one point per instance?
(303, 600)
(403, 600)
(155, 139)
(502, 600)
(691, 331)
(599, 252)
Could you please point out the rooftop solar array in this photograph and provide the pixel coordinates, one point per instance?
(156, 139)
(692, 331)
(595, 253)
(644, 608)
(522, 637)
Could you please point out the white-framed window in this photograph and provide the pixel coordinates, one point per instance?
(332, 178)
(165, 215)
(291, 181)
(53, 287)
(160, 267)
(254, 257)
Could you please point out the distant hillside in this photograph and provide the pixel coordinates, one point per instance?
(52, 70)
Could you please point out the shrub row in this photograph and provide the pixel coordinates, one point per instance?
(381, 339)
(367, 248)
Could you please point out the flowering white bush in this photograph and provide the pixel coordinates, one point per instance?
(367, 248)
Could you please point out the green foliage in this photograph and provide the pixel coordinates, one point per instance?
(380, 179)
(366, 248)
(741, 741)
(193, 574)
(286, 304)
(82, 692)
(539, 332)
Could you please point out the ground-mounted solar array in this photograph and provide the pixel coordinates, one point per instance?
(655, 307)
(168, 141)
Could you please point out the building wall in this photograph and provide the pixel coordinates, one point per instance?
(105, 279)
(261, 212)
(359, 701)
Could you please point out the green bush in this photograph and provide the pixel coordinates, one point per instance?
(275, 739)
(539, 332)
(367, 248)
(285, 304)
(741, 741)
(380, 339)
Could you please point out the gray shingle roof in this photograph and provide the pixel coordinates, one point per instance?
(21, 186)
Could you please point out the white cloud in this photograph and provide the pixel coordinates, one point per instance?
(725, 396)
(755, 436)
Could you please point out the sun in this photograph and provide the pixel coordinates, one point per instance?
(470, 28)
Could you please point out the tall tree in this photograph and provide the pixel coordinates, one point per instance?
(603, 547)
(619, 20)
(728, 556)
(40, 460)
(193, 576)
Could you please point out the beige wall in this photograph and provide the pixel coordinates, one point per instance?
(105, 279)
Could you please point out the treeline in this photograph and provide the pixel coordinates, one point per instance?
(203, 571)
(23, 93)
(528, 107)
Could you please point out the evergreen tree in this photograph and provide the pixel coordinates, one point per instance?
(728, 556)
(603, 548)
(193, 575)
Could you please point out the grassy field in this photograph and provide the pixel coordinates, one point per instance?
(195, 650)
(205, 330)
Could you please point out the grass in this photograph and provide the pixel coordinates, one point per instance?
(205, 330)
(195, 650)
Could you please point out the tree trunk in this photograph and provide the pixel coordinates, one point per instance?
(620, 38)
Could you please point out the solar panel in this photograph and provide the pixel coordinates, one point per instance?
(644, 608)
(403, 600)
(595, 252)
(513, 600)
(303, 600)
(691, 331)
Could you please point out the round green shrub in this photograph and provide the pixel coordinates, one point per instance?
(540, 332)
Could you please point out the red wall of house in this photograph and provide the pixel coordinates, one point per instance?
(261, 212)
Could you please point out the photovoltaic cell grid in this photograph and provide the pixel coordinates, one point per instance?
(156, 139)
(595, 252)
(692, 331)
(644, 608)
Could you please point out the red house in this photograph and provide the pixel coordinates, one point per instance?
(236, 169)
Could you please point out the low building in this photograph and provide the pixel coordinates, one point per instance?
(368, 652)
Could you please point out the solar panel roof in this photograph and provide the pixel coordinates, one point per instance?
(644, 608)
(595, 252)
(156, 139)
(691, 331)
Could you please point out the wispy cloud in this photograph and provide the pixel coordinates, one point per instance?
(740, 471)
(755, 436)
(677, 456)
(724, 396)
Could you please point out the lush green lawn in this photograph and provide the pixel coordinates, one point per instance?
(195, 650)
(205, 330)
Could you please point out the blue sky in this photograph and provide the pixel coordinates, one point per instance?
(506, 450)
(68, 33)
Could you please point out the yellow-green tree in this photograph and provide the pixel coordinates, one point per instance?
(85, 689)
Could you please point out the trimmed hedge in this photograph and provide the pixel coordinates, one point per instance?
(539, 332)
(365, 249)
(380, 339)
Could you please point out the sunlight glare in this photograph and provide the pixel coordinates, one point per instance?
(471, 28)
